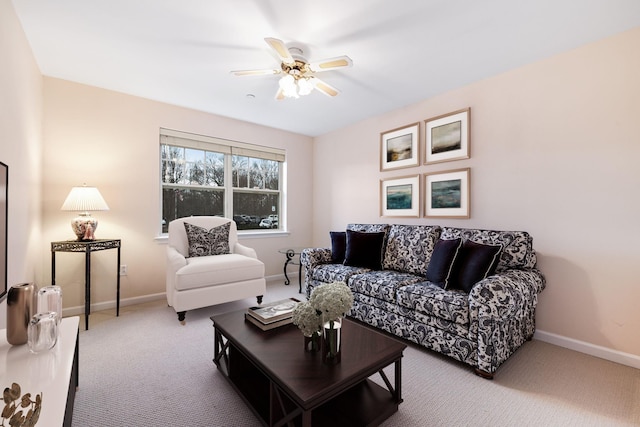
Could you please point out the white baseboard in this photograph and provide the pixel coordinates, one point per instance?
(627, 359)
(78, 310)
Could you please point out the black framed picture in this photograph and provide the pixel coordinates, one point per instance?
(4, 197)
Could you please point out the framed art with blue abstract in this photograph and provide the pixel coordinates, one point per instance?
(400, 196)
(447, 194)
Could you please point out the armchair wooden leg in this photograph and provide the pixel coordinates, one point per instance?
(259, 298)
(181, 316)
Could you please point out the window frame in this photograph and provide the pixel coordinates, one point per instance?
(228, 148)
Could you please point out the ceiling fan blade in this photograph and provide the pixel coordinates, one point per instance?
(254, 72)
(325, 88)
(330, 64)
(281, 50)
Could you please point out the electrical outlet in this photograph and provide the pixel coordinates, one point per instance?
(123, 269)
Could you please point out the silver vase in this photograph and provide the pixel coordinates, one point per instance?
(332, 341)
(21, 306)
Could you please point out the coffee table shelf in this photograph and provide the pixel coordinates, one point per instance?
(281, 382)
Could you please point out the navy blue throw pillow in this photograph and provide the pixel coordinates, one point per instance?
(474, 262)
(441, 263)
(338, 246)
(364, 249)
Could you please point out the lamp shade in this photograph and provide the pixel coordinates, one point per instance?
(84, 199)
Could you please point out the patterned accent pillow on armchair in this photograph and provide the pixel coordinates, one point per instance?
(203, 242)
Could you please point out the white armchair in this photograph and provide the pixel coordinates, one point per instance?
(205, 280)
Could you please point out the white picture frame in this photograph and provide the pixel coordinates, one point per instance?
(447, 194)
(400, 148)
(448, 137)
(400, 197)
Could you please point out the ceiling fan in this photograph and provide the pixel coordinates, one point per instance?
(299, 74)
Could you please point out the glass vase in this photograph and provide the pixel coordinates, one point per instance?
(43, 332)
(312, 343)
(332, 341)
(50, 299)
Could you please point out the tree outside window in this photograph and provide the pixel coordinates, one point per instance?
(195, 182)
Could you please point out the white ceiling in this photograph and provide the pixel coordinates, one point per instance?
(404, 51)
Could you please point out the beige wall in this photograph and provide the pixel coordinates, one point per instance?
(111, 140)
(555, 148)
(20, 148)
(554, 152)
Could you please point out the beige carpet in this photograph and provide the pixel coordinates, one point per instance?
(144, 369)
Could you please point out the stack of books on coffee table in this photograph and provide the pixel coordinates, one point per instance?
(272, 315)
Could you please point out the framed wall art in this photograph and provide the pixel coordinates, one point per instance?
(4, 198)
(447, 194)
(400, 196)
(447, 137)
(400, 148)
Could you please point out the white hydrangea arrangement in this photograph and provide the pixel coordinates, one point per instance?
(332, 300)
(307, 319)
(329, 302)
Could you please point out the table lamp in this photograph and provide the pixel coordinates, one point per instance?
(84, 199)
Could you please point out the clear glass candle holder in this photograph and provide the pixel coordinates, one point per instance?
(42, 332)
(50, 299)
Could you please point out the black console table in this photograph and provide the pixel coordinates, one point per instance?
(87, 247)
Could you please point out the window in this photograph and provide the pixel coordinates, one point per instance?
(211, 176)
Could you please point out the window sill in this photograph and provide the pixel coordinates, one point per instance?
(163, 238)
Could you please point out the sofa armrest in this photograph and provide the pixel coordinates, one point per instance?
(500, 296)
(311, 257)
(502, 315)
(241, 249)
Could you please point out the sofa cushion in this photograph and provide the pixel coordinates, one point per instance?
(364, 249)
(409, 248)
(338, 246)
(328, 273)
(381, 284)
(517, 246)
(430, 299)
(474, 262)
(441, 264)
(217, 270)
(203, 242)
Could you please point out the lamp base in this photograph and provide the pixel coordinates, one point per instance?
(84, 226)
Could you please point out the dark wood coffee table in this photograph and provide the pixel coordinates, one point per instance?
(284, 385)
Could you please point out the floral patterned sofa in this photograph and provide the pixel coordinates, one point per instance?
(481, 325)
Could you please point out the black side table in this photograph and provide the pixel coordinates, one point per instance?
(290, 253)
(87, 247)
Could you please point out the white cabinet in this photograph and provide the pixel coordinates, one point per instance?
(53, 373)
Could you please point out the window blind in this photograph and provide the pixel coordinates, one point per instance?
(208, 143)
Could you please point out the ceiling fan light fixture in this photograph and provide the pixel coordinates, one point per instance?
(305, 85)
(289, 86)
(296, 86)
(297, 73)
